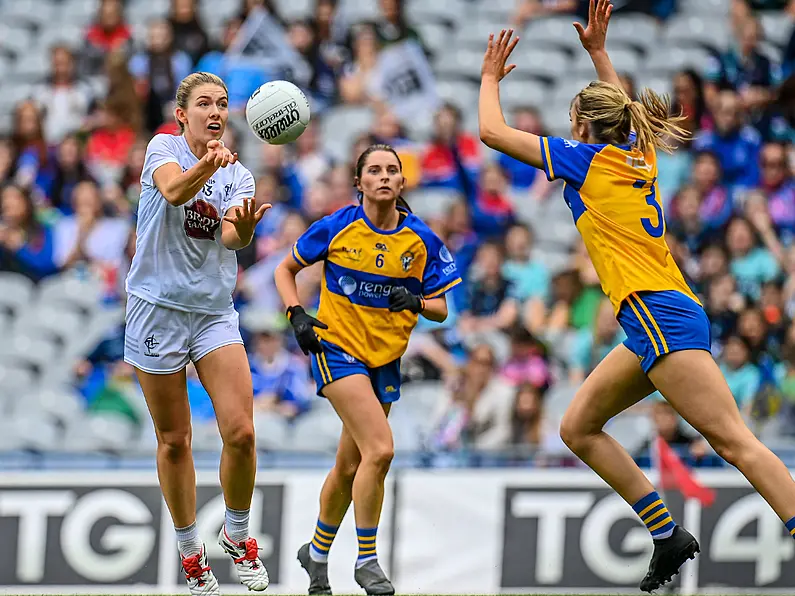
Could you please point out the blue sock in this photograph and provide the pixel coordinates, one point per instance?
(791, 527)
(654, 514)
(366, 538)
(321, 541)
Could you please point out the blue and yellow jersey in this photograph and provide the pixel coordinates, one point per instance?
(362, 265)
(612, 193)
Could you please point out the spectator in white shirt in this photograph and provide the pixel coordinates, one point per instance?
(64, 99)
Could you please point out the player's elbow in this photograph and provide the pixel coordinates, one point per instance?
(172, 197)
(487, 135)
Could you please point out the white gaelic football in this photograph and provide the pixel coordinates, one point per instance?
(278, 112)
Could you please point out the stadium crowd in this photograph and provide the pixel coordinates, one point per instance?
(526, 320)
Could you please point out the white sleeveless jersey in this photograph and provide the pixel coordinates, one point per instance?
(179, 260)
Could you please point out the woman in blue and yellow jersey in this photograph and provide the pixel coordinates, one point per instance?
(610, 171)
(383, 268)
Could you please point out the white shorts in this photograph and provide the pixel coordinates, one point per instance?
(162, 340)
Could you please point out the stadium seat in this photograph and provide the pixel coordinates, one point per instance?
(548, 63)
(67, 288)
(460, 92)
(215, 14)
(777, 27)
(61, 402)
(475, 33)
(70, 35)
(271, 429)
(340, 128)
(549, 32)
(704, 8)
(459, 63)
(434, 35)
(16, 292)
(429, 203)
(144, 11)
(14, 378)
(36, 432)
(440, 11)
(35, 351)
(16, 40)
(354, 11)
(48, 319)
(564, 92)
(669, 60)
(78, 12)
(496, 10)
(624, 59)
(639, 31)
(34, 12)
(318, 430)
(662, 85)
(294, 9)
(31, 68)
(515, 92)
(689, 30)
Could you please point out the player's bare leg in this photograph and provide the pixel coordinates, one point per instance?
(365, 419)
(617, 383)
(224, 372)
(692, 383)
(167, 398)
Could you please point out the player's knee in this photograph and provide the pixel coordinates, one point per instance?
(347, 469)
(380, 456)
(174, 444)
(735, 448)
(240, 437)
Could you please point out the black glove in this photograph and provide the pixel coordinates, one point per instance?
(402, 299)
(303, 326)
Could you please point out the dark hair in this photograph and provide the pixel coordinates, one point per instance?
(31, 225)
(401, 202)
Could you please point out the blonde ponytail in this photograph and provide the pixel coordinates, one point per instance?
(613, 116)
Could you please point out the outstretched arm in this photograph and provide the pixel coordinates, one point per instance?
(593, 40)
(494, 132)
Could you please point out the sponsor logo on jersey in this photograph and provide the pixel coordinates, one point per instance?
(201, 220)
(445, 255)
(348, 358)
(570, 144)
(380, 246)
(347, 284)
(390, 389)
(151, 344)
(354, 254)
(406, 259)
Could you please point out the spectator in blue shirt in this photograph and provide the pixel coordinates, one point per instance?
(520, 175)
(751, 264)
(491, 304)
(736, 146)
(26, 246)
(745, 70)
(529, 274)
(742, 376)
(279, 377)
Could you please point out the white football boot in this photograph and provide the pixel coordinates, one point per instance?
(199, 576)
(250, 570)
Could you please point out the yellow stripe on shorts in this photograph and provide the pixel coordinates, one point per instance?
(653, 322)
(320, 367)
(325, 363)
(646, 327)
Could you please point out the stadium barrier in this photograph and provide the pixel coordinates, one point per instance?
(443, 532)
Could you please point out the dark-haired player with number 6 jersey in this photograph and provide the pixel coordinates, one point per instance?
(383, 268)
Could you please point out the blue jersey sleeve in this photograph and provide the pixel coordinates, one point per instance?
(313, 244)
(441, 272)
(567, 160)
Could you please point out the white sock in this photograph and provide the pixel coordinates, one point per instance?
(236, 524)
(188, 540)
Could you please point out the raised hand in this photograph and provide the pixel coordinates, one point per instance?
(246, 218)
(218, 155)
(593, 36)
(497, 54)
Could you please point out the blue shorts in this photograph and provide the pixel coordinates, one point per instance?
(658, 323)
(334, 363)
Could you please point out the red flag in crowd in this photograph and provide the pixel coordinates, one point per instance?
(674, 474)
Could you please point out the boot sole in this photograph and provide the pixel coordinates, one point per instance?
(686, 554)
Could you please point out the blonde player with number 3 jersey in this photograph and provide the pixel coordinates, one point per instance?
(610, 171)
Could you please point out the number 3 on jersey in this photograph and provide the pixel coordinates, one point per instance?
(655, 231)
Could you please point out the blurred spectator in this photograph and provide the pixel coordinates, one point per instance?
(461, 238)
(26, 246)
(741, 374)
(341, 191)
(476, 410)
(116, 123)
(275, 161)
(590, 346)
(528, 10)
(491, 304)
(722, 305)
(762, 340)
(392, 27)
(356, 84)
(521, 175)
(158, 71)
(242, 77)
(628, 84)
(63, 98)
(311, 161)
(189, 34)
(88, 237)
(109, 33)
(279, 378)
(750, 264)
(778, 190)
(34, 162)
(131, 178)
(685, 222)
(492, 211)
(528, 274)
(7, 160)
(716, 205)
(321, 82)
(675, 431)
(529, 425)
(745, 70)
(70, 170)
(736, 146)
(452, 159)
(689, 100)
(527, 360)
(247, 6)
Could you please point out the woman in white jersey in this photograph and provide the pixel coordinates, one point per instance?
(196, 209)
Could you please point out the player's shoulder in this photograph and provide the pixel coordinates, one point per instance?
(241, 172)
(164, 140)
(423, 230)
(341, 218)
